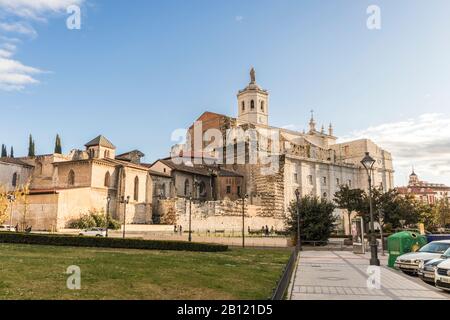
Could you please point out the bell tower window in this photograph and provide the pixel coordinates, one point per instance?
(243, 105)
(252, 105)
(262, 106)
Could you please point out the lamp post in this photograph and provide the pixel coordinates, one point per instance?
(108, 201)
(368, 163)
(125, 202)
(190, 219)
(243, 196)
(11, 199)
(299, 241)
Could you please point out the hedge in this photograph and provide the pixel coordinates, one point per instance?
(97, 242)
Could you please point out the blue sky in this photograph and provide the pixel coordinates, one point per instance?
(137, 70)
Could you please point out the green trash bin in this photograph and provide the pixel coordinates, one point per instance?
(404, 242)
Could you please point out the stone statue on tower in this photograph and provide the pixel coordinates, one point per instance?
(253, 75)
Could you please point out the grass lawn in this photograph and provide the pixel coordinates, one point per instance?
(38, 272)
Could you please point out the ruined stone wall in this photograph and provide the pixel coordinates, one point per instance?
(215, 215)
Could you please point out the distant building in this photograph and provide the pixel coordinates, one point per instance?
(425, 192)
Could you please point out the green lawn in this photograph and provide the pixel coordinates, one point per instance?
(38, 272)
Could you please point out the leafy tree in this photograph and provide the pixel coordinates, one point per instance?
(443, 210)
(428, 215)
(31, 147)
(11, 153)
(58, 148)
(4, 152)
(350, 200)
(3, 205)
(316, 216)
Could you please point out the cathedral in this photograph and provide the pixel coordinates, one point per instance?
(311, 162)
(227, 165)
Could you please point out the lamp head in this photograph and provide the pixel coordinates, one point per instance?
(368, 161)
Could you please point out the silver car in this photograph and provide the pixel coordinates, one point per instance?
(427, 270)
(409, 263)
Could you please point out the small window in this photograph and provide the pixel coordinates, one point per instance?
(310, 180)
(15, 179)
(349, 183)
(338, 182)
(186, 188)
(324, 181)
(136, 189)
(228, 189)
(252, 104)
(325, 195)
(262, 106)
(295, 177)
(239, 190)
(243, 105)
(107, 180)
(71, 178)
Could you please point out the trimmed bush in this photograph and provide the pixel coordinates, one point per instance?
(73, 241)
(95, 219)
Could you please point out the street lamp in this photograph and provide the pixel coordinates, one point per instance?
(125, 202)
(299, 241)
(368, 163)
(243, 197)
(108, 201)
(11, 199)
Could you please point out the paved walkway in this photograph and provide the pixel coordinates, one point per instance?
(340, 275)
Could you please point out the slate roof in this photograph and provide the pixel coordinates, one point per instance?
(100, 141)
(15, 161)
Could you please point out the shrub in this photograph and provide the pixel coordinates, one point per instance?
(95, 219)
(73, 241)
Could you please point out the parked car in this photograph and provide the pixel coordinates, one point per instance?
(427, 270)
(443, 275)
(93, 232)
(409, 262)
(6, 228)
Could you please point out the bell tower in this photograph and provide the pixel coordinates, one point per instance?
(253, 103)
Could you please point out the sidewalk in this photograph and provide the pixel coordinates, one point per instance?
(327, 275)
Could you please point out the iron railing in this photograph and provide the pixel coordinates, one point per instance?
(283, 284)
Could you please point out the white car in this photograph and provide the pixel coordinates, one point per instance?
(93, 232)
(7, 229)
(442, 275)
(410, 263)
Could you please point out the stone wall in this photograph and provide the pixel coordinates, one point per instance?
(215, 215)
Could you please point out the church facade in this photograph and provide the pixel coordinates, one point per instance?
(311, 162)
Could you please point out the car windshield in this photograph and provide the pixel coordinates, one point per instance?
(435, 247)
(446, 255)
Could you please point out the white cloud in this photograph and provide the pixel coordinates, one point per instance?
(18, 28)
(36, 9)
(422, 142)
(17, 19)
(239, 18)
(15, 76)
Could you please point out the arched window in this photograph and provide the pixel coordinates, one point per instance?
(71, 178)
(243, 105)
(15, 179)
(136, 189)
(252, 104)
(108, 180)
(262, 106)
(187, 188)
(106, 154)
